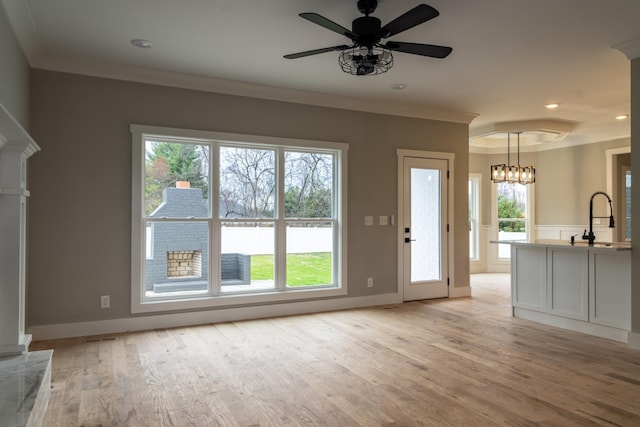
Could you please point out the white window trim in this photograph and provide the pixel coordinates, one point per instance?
(138, 248)
(476, 178)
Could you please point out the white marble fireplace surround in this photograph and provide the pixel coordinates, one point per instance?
(25, 378)
(25, 388)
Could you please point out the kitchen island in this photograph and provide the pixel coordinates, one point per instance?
(576, 286)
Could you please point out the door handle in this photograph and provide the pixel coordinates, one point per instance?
(409, 240)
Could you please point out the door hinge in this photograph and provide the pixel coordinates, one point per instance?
(447, 228)
(447, 174)
(447, 281)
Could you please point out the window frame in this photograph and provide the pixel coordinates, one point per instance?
(474, 209)
(214, 298)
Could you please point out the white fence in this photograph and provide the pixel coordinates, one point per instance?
(261, 240)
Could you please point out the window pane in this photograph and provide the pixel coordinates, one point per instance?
(176, 180)
(512, 208)
(179, 262)
(247, 183)
(308, 185)
(473, 218)
(627, 214)
(309, 254)
(247, 258)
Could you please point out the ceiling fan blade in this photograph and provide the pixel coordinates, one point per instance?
(417, 15)
(431, 50)
(328, 24)
(315, 51)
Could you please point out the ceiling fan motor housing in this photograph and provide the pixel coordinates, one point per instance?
(367, 29)
(367, 7)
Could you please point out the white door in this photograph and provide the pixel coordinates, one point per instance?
(424, 227)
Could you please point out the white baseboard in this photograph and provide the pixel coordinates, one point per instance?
(633, 339)
(463, 291)
(19, 348)
(141, 323)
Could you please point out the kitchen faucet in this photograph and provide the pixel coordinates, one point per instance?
(591, 237)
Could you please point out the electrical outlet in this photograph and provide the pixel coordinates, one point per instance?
(370, 282)
(105, 301)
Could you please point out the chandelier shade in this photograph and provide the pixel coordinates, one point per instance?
(513, 174)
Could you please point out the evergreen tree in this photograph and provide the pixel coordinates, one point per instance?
(508, 208)
(168, 162)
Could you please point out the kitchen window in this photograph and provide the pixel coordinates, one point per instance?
(512, 213)
(222, 219)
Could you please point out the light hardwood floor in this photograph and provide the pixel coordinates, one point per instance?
(461, 362)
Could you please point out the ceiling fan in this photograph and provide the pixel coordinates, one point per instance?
(368, 55)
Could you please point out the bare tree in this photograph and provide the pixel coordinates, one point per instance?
(247, 182)
(308, 185)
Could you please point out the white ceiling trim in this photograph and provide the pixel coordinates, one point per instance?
(230, 87)
(24, 28)
(630, 48)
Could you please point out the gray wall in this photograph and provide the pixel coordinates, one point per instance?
(79, 244)
(568, 177)
(565, 180)
(14, 74)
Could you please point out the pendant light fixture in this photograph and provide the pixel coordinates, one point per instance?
(513, 174)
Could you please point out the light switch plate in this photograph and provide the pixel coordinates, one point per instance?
(368, 220)
(384, 220)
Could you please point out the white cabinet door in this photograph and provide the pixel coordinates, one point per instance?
(568, 283)
(610, 289)
(528, 277)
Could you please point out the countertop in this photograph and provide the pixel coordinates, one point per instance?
(579, 244)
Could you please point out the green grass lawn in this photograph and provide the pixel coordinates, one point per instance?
(302, 269)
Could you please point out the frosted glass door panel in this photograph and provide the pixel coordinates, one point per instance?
(425, 219)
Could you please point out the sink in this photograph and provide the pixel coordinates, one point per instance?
(603, 244)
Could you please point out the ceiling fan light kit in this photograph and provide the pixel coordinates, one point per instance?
(365, 62)
(367, 55)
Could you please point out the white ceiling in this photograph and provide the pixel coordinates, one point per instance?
(510, 57)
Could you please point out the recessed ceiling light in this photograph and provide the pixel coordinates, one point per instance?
(552, 106)
(399, 86)
(622, 117)
(141, 43)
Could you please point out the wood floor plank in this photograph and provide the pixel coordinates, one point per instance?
(461, 362)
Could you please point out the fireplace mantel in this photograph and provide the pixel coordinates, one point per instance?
(16, 146)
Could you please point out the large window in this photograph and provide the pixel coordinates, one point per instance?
(513, 208)
(222, 219)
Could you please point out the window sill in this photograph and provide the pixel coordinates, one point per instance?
(208, 301)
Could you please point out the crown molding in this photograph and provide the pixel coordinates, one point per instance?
(21, 21)
(630, 48)
(238, 88)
